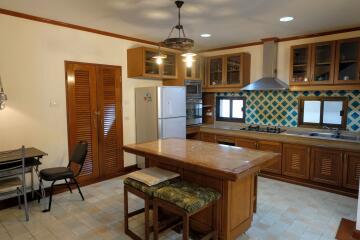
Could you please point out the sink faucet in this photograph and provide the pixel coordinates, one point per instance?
(336, 130)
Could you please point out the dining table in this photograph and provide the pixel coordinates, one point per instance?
(232, 171)
(32, 159)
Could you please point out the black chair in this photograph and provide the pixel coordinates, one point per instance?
(64, 173)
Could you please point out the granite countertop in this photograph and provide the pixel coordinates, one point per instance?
(228, 162)
(291, 135)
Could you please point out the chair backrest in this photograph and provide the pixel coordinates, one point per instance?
(78, 156)
(15, 166)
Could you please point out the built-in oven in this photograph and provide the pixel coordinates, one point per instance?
(194, 111)
(193, 89)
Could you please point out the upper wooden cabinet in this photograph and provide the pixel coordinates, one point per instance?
(141, 64)
(196, 71)
(300, 65)
(323, 62)
(347, 70)
(326, 65)
(227, 71)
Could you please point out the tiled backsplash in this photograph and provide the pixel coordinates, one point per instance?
(280, 108)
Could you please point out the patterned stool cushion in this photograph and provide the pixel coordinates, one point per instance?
(187, 196)
(149, 190)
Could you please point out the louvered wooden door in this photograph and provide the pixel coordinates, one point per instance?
(82, 119)
(110, 126)
(94, 115)
(351, 170)
(296, 161)
(326, 166)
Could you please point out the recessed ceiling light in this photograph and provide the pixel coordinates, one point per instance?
(286, 19)
(205, 35)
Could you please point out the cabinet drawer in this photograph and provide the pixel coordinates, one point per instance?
(296, 161)
(351, 173)
(208, 137)
(326, 166)
(246, 143)
(271, 147)
(225, 139)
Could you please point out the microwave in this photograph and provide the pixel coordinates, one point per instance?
(193, 88)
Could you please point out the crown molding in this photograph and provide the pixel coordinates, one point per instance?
(73, 26)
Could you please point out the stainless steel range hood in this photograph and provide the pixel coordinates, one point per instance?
(269, 81)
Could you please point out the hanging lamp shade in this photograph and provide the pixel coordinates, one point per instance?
(179, 42)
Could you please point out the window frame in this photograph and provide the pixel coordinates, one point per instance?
(301, 100)
(231, 118)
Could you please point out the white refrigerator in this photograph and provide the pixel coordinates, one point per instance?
(160, 112)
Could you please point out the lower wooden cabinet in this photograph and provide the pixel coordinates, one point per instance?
(208, 137)
(296, 161)
(246, 143)
(326, 166)
(318, 166)
(271, 147)
(351, 173)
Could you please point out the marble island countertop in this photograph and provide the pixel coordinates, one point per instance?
(291, 135)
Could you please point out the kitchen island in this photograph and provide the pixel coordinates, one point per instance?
(229, 170)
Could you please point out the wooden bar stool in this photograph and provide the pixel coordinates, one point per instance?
(185, 199)
(143, 184)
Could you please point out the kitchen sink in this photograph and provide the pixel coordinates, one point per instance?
(353, 138)
(319, 134)
(332, 135)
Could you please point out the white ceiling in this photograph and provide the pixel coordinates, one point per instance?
(229, 21)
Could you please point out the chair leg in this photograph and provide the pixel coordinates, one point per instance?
(215, 221)
(126, 211)
(25, 203)
(18, 197)
(77, 185)
(147, 220)
(185, 227)
(32, 183)
(155, 219)
(50, 198)
(68, 185)
(40, 190)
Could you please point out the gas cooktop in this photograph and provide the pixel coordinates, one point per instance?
(258, 128)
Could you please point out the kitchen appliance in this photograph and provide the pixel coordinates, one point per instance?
(258, 128)
(193, 89)
(194, 111)
(194, 106)
(160, 112)
(269, 81)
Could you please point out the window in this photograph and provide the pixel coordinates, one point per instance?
(323, 111)
(230, 109)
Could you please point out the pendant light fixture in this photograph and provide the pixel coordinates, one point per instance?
(3, 96)
(181, 42)
(160, 56)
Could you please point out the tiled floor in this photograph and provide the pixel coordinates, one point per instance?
(285, 211)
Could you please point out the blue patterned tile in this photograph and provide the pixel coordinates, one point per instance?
(280, 108)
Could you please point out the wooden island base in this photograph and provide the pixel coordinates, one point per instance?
(236, 205)
(232, 171)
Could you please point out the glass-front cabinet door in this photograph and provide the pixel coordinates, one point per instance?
(233, 70)
(152, 69)
(216, 71)
(322, 69)
(347, 67)
(169, 66)
(300, 65)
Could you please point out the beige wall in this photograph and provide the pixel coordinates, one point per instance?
(283, 54)
(32, 56)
